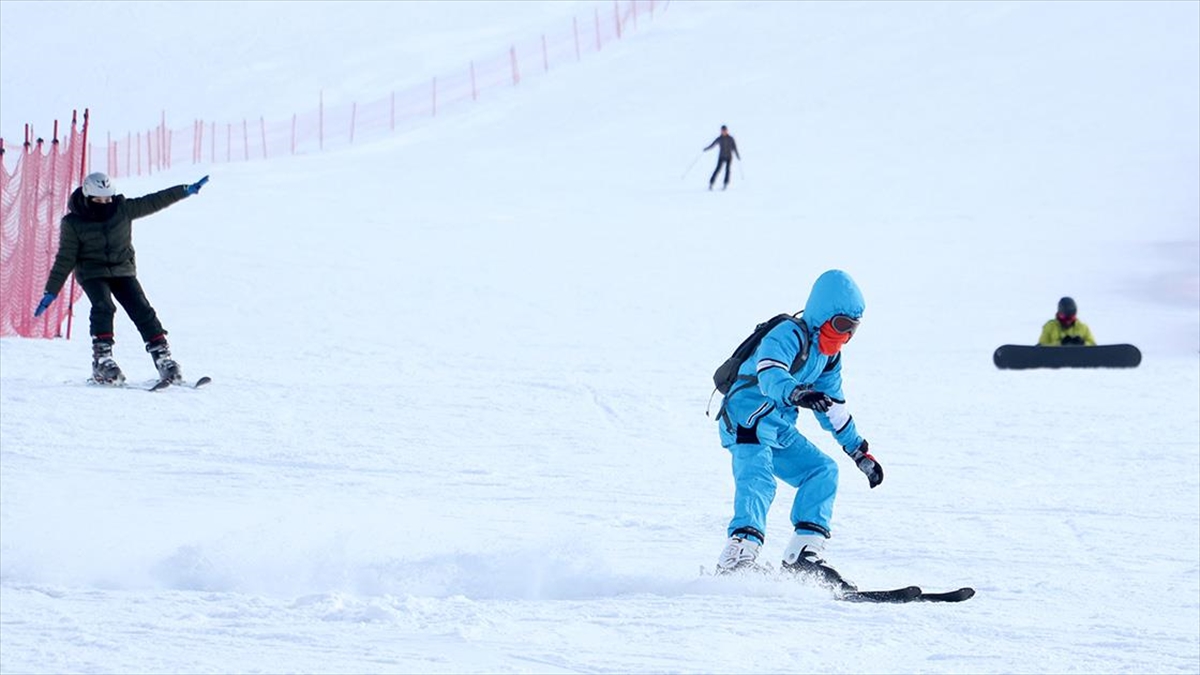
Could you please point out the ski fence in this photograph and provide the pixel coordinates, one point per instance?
(36, 190)
(33, 199)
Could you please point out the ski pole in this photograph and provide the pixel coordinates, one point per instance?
(689, 169)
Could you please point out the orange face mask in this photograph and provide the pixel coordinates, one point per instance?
(830, 340)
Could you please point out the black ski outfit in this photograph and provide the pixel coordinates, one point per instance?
(724, 157)
(97, 243)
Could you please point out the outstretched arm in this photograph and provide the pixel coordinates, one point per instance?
(151, 203)
(139, 207)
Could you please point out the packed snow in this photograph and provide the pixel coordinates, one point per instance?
(457, 423)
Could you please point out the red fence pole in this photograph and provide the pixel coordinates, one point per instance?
(164, 159)
(82, 163)
(597, 29)
(512, 53)
(53, 204)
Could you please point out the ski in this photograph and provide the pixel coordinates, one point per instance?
(895, 595)
(965, 593)
(906, 594)
(849, 593)
(163, 384)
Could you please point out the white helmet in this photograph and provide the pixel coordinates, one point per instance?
(98, 185)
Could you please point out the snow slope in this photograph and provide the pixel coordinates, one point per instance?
(458, 423)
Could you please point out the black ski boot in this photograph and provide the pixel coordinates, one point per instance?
(104, 367)
(803, 558)
(168, 369)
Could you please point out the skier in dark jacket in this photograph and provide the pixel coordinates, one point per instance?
(724, 157)
(97, 243)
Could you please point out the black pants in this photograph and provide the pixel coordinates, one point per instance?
(129, 293)
(727, 162)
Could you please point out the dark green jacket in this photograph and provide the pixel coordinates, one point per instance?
(98, 244)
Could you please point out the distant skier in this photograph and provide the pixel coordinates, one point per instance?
(798, 364)
(724, 156)
(1065, 328)
(97, 243)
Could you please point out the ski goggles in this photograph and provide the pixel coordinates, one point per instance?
(844, 324)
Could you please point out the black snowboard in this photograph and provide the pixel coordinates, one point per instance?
(1018, 357)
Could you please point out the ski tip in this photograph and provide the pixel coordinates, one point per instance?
(163, 384)
(964, 593)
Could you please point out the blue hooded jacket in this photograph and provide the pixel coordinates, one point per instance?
(756, 409)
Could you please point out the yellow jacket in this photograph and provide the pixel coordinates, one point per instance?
(1054, 335)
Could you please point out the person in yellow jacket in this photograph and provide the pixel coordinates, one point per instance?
(1065, 329)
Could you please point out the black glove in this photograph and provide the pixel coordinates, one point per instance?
(867, 464)
(807, 398)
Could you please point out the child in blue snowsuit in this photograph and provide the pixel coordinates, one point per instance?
(797, 365)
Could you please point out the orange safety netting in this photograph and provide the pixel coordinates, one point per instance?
(331, 126)
(35, 193)
(33, 199)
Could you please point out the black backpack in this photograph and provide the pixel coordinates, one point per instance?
(727, 374)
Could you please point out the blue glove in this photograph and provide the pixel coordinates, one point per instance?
(46, 300)
(195, 187)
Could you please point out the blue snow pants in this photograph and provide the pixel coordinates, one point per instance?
(799, 464)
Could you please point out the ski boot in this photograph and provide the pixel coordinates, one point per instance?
(803, 558)
(168, 369)
(104, 367)
(740, 554)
